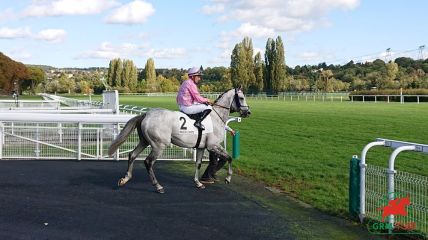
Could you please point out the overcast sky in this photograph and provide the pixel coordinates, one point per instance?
(181, 34)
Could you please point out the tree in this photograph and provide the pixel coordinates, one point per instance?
(150, 75)
(168, 85)
(84, 87)
(66, 84)
(257, 86)
(114, 75)
(129, 75)
(242, 64)
(36, 76)
(11, 74)
(269, 65)
(278, 79)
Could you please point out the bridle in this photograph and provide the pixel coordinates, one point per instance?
(238, 104)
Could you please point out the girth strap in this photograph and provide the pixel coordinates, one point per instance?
(199, 138)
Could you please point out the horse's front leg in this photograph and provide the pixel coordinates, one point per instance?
(224, 156)
(199, 155)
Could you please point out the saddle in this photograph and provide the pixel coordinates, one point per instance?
(196, 117)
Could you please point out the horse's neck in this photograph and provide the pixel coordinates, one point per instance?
(223, 113)
(223, 106)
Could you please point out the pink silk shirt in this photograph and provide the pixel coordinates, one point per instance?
(189, 94)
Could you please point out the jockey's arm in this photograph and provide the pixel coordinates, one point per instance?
(193, 90)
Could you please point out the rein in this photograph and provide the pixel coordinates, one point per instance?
(218, 113)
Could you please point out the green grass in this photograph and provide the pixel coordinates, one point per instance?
(304, 148)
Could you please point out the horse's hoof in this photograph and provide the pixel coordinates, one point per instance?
(160, 190)
(227, 181)
(202, 186)
(121, 182)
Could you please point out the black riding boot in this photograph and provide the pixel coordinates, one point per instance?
(204, 114)
(209, 175)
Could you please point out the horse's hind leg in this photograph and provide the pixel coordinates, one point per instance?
(131, 159)
(149, 162)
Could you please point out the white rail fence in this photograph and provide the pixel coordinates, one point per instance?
(29, 104)
(390, 98)
(379, 185)
(67, 133)
(77, 136)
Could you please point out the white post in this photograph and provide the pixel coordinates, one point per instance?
(37, 151)
(116, 132)
(101, 140)
(79, 141)
(1, 139)
(363, 166)
(98, 143)
(391, 171)
(60, 132)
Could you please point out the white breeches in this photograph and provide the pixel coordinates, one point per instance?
(195, 108)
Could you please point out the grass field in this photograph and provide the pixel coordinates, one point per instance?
(304, 148)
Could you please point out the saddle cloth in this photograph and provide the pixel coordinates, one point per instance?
(184, 124)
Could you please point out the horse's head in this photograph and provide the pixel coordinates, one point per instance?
(239, 104)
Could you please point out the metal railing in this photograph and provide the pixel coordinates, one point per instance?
(378, 186)
(49, 135)
(53, 136)
(29, 104)
(389, 98)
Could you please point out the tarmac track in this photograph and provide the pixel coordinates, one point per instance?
(80, 200)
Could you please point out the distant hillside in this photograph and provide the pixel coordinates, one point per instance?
(44, 67)
(11, 73)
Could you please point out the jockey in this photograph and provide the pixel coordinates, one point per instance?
(190, 101)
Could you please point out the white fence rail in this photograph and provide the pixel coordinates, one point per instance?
(70, 137)
(53, 134)
(29, 104)
(390, 98)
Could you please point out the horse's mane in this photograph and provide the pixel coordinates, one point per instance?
(221, 95)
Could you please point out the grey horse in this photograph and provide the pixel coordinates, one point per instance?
(160, 127)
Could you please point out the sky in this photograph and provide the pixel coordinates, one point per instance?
(182, 34)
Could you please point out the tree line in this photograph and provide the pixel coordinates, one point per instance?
(254, 72)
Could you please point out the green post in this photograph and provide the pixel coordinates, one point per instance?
(236, 146)
(354, 187)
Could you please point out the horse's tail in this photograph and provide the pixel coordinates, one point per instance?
(126, 131)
